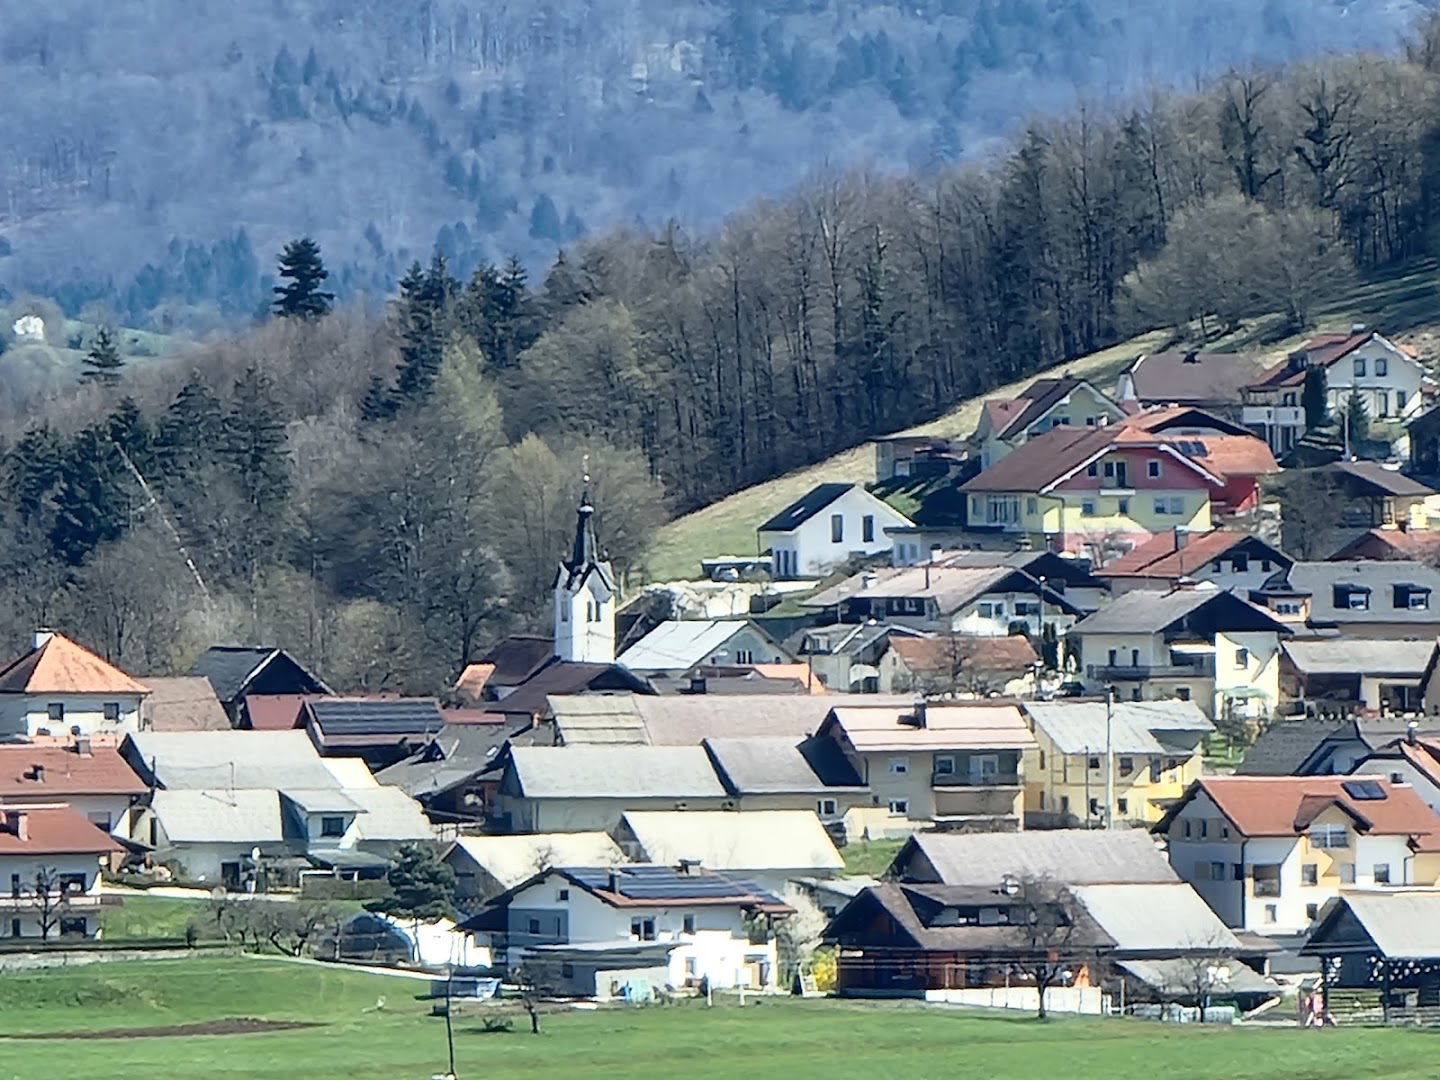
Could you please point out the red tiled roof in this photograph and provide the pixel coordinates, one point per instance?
(60, 666)
(1422, 546)
(54, 830)
(65, 771)
(1159, 556)
(1320, 351)
(929, 655)
(276, 712)
(472, 680)
(1284, 805)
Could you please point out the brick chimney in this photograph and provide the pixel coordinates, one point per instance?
(17, 824)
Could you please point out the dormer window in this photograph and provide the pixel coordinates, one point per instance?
(1412, 598)
(1352, 597)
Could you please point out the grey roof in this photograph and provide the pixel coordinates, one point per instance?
(596, 720)
(376, 716)
(322, 800)
(1156, 918)
(805, 507)
(1361, 656)
(1320, 580)
(611, 772)
(456, 754)
(231, 667)
(1191, 378)
(388, 814)
(229, 759)
(1068, 856)
(1386, 481)
(241, 816)
(1149, 611)
(679, 644)
(1176, 977)
(1136, 727)
(757, 840)
(1283, 747)
(689, 720)
(775, 766)
(1402, 923)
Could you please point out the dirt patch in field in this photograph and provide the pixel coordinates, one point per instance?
(229, 1026)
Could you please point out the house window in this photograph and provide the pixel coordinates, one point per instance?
(332, 826)
(1064, 804)
(565, 609)
(1265, 566)
(111, 711)
(73, 927)
(1287, 607)
(1094, 808)
(1031, 506)
(55, 711)
(1382, 873)
(1187, 830)
(837, 528)
(687, 925)
(744, 656)
(826, 807)
(1152, 469)
(1093, 469)
(1182, 693)
(1042, 759)
(562, 895)
(899, 807)
(944, 766)
(1122, 506)
(1359, 365)
(1418, 599)
(70, 884)
(1217, 871)
(101, 820)
(1242, 659)
(1312, 911)
(1310, 874)
(1347, 873)
(899, 766)
(867, 528)
(1127, 766)
(1329, 837)
(1109, 470)
(534, 926)
(643, 928)
(1241, 563)
(1382, 367)
(1122, 806)
(1087, 508)
(1094, 763)
(1204, 828)
(1400, 401)
(1267, 879)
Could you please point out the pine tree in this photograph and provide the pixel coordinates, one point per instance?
(379, 401)
(103, 362)
(255, 442)
(304, 272)
(91, 501)
(1314, 399)
(1357, 421)
(422, 887)
(191, 431)
(425, 299)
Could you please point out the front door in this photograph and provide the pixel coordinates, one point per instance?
(230, 876)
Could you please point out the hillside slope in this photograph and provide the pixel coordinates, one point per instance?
(1405, 303)
(139, 136)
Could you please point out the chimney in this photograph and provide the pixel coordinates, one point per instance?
(1357, 328)
(1191, 357)
(83, 747)
(867, 579)
(38, 772)
(1412, 730)
(615, 881)
(1182, 537)
(687, 866)
(698, 684)
(915, 717)
(42, 636)
(17, 823)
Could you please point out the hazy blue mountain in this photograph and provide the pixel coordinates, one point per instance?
(159, 152)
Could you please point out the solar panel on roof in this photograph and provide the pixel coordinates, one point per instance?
(1363, 790)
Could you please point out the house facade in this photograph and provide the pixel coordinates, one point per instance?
(1266, 853)
(50, 860)
(1046, 404)
(1226, 558)
(93, 781)
(713, 927)
(1388, 379)
(1156, 750)
(675, 646)
(62, 691)
(827, 526)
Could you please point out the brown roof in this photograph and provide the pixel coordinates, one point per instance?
(1035, 401)
(1000, 412)
(1040, 460)
(56, 830)
(472, 680)
(65, 771)
(1162, 557)
(1285, 805)
(1422, 546)
(517, 658)
(1374, 476)
(800, 673)
(938, 654)
(60, 666)
(1191, 377)
(183, 703)
(1320, 351)
(276, 712)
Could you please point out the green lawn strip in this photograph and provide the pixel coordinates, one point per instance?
(870, 858)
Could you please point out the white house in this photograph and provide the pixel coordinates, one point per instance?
(1387, 378)
(825, 527)
(1266, 852)
(50, 861)
(712, 926)
(95, 781)
(61, 690)
(767, 847)
(1045, 404)
(486, 866)
(677, 645)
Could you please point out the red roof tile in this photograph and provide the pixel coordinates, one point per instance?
(64, 771)
(60, 666)
(54, 830)
(276, 712)
(1159, 557)
(1284, 805)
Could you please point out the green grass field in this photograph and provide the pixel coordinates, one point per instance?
(1398, 301)
(826, 1040)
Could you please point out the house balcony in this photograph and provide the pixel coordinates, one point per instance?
(1273, 415)
(72, 902)
(1142, 672)
(988, 801)
(968, 780)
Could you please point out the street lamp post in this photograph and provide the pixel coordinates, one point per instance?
(1109, 759)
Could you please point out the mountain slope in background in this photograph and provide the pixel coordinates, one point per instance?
(158, 153)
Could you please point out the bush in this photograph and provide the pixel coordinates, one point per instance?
(328, 888)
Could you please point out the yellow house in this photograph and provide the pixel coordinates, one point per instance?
(1156, 748)
(1046, 404)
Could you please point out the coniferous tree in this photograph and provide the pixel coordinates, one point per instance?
(379, 401)
(425, 298)
(103, 362)
(303, 272)
(421, 887)
(1314, 399)
(255, 443)
(91, 500)
(1357, 421)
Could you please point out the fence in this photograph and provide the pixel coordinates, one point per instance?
(1085, 1000)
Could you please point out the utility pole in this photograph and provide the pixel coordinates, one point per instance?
(1109, 759)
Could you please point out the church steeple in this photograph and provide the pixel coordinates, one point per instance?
(585, 593)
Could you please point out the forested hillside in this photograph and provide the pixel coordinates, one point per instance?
(387, 492)
(158, 153)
